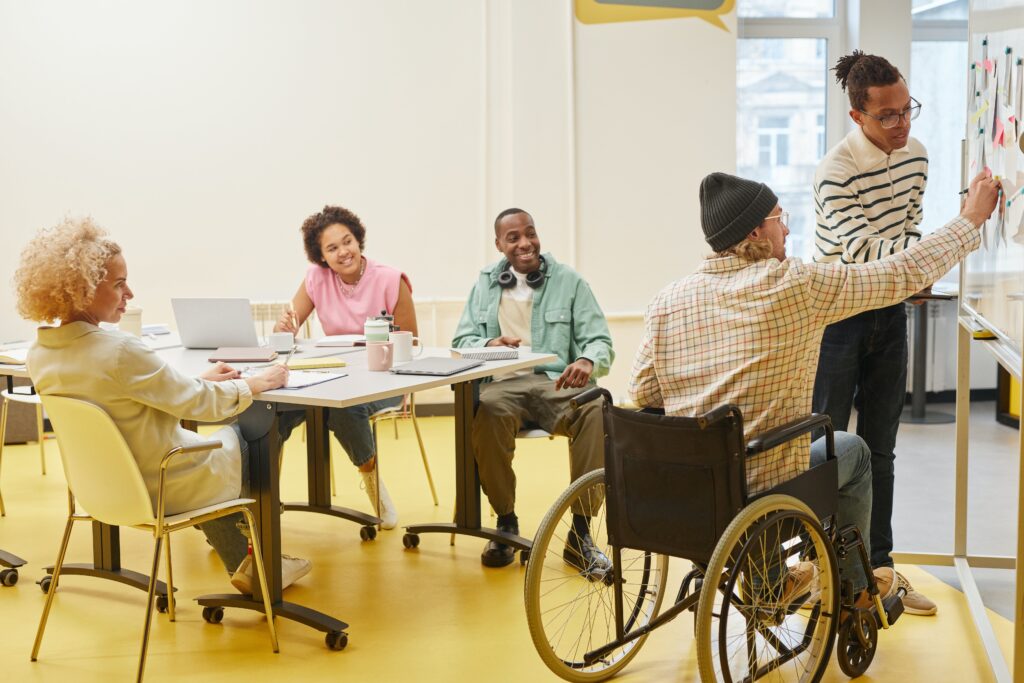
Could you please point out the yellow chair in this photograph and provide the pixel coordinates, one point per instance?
(29, 399)
(104, 477)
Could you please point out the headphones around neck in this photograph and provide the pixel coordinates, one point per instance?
(534, 280)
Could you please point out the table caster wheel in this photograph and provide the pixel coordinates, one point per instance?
(213, 615)
(411, 540)
(161, 604)
(44, 583)
(9, 577)
(524, 557)
(368, 533)
(336, 640)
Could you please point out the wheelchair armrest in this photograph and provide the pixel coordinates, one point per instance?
(589, 395)
(789, 431)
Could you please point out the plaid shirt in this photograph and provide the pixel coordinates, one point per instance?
(748, 333)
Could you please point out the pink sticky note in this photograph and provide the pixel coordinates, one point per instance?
(989, 65)
(1000, 132)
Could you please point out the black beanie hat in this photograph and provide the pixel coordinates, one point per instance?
(731, 207)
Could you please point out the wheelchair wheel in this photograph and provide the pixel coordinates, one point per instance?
(773, 608)
(571, 611)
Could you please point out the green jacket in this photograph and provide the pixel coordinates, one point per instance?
(567, 320)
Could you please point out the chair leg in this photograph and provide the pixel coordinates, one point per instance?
(423, 453)
(170, 578)
(330, 466)
(42, 438)
(53, 588)
(149, 608)
(257, 556)
(3, 436)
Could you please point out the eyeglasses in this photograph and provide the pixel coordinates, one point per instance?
(893, 120)
(783, 218)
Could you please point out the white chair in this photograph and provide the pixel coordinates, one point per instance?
(104, 477)
(28, 399)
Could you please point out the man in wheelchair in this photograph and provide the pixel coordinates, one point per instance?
(745, 329)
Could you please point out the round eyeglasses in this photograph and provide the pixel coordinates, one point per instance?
(893, 120)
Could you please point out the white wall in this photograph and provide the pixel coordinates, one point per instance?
(201, 134)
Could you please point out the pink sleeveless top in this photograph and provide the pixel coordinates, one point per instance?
(341, 313)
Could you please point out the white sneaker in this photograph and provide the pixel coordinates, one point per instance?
(387, 510)
(292, 569)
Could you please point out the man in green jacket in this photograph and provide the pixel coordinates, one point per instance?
(530, 300)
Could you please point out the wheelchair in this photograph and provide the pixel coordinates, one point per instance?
(676, 486)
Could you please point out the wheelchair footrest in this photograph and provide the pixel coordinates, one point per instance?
(893, 609)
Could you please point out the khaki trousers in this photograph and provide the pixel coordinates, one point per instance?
(506, 406)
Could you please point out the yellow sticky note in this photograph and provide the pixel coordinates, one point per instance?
(981, 110)
(297, 363)
(613, 11)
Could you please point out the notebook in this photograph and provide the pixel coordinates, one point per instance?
(487, 353)
(342, 340)
(298, 379)
(243, 354)
(441, 367)
(298, 363)
(214, 323)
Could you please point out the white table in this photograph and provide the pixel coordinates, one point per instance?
(259, 427)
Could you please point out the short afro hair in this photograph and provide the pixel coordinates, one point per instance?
(856, 72)
(507, 212)
(315, 225)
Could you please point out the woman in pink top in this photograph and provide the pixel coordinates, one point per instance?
(346, 288)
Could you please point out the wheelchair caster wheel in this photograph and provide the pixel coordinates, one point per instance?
(44, 583)
(857, 643)
(161, 603)
(411, 541)
(9, 577)
(213, 615)
(524, 557)
(336, 640)
(368, 533)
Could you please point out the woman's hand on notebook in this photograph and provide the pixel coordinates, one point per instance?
(220, 372)
(274, 377)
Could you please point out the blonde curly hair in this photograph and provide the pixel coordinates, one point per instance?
(60, 269)
(750, 249)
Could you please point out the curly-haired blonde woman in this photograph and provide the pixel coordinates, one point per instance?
(346, 288)
(75, 275)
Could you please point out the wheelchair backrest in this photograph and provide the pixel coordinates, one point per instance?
(673, 484)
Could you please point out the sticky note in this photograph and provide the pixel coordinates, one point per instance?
(980, 112)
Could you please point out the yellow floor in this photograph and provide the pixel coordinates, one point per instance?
(429, 615)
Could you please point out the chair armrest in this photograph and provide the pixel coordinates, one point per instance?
(588, 396)
(789, 431)
(191, 448)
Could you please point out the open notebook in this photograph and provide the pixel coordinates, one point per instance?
(300, 379)
(13, 356)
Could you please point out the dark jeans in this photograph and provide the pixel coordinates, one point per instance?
(863, 364)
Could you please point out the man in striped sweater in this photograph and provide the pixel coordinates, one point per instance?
(868, 191)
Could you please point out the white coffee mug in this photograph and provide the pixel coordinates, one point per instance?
(131, 321)
(376, 330)
(403, 341)
(282, 342)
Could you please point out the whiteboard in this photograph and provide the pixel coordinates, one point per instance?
(992, 284)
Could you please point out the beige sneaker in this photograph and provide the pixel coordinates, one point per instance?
(292, 569)
(388, 512)
(799, 581)
(914, 602)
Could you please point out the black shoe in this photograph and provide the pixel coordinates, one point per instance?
(581, 553)
(497, 554)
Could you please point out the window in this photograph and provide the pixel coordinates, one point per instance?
(938, 79)
(783, 120)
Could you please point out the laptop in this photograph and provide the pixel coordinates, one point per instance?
(440, 367)
(213, 323)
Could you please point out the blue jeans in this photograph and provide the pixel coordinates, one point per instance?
(350, 426)
(863, 364)
(854, 460)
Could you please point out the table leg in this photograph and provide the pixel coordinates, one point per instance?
(918, 413)
(318, 468)
(106, 562)
(467, 483)
(259, 428)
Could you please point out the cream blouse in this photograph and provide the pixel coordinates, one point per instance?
(146, 398)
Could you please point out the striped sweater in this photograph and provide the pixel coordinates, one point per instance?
(868, 203)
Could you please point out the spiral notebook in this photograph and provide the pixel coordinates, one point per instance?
(487, 353)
